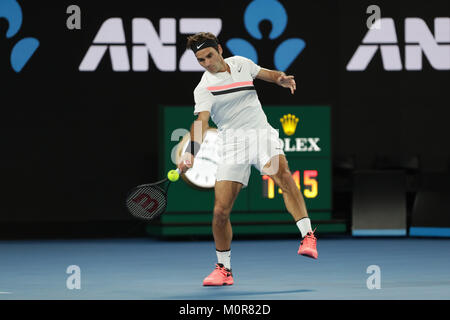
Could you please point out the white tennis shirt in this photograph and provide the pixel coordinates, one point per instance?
(231, 98)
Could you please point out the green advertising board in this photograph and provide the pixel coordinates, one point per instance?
(259, 208)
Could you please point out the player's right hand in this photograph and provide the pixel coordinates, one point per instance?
(186, 162)
(287, 82)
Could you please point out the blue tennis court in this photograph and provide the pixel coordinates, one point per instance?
(410, 268)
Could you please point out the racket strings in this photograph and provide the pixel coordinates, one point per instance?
(147, 202)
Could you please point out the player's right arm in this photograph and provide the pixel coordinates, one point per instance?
(198, 131)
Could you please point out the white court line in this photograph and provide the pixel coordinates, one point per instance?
(5, 292)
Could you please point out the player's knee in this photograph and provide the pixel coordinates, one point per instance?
(221, 214)
(282, 178)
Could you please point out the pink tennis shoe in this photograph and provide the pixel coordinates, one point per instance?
(308, 246)
(219, 277)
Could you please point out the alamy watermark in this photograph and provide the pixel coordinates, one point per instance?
(74, 280)
(373, 21)
(74, 20)
(241, 146)
(374, 281)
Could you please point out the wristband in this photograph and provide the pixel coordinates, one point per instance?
(193, 148)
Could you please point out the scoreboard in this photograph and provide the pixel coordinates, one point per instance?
(259, 209)
(305, 135)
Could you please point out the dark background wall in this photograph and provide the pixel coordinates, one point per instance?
(73, 142)
(391, 112)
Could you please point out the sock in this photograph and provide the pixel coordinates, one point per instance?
(224, 257)
(304, 225)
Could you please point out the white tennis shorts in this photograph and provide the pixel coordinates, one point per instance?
(240, 149)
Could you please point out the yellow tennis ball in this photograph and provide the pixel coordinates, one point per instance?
(173, 175)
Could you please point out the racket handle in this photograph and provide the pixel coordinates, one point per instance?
(178, 170)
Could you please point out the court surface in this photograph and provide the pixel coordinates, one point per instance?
(410, 268)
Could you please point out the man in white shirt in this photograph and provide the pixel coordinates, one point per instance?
(227, 95)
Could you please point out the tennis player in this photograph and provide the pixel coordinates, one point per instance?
(226, 94)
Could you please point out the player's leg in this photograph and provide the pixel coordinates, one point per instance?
(226, 193)
(278, 170)
(272, 162)
(232, 175)
(282, 176)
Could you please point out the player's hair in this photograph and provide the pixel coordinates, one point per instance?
(200, 37)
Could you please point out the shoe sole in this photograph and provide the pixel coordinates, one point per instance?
(212, 284)
(306, 255)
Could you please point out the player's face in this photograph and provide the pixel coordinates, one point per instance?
(210, 59)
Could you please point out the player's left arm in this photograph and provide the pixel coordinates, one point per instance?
(277, 77)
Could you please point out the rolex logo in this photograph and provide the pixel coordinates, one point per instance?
(289, 123)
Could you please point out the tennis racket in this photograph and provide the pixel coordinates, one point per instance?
(148, 201)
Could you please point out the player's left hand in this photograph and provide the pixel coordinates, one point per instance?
(186, 162)
(287, 82)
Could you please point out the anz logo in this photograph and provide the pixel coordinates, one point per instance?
(24, 49)
(146, 42)
(419, 43)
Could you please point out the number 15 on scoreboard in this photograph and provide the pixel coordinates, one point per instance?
(310, 184)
